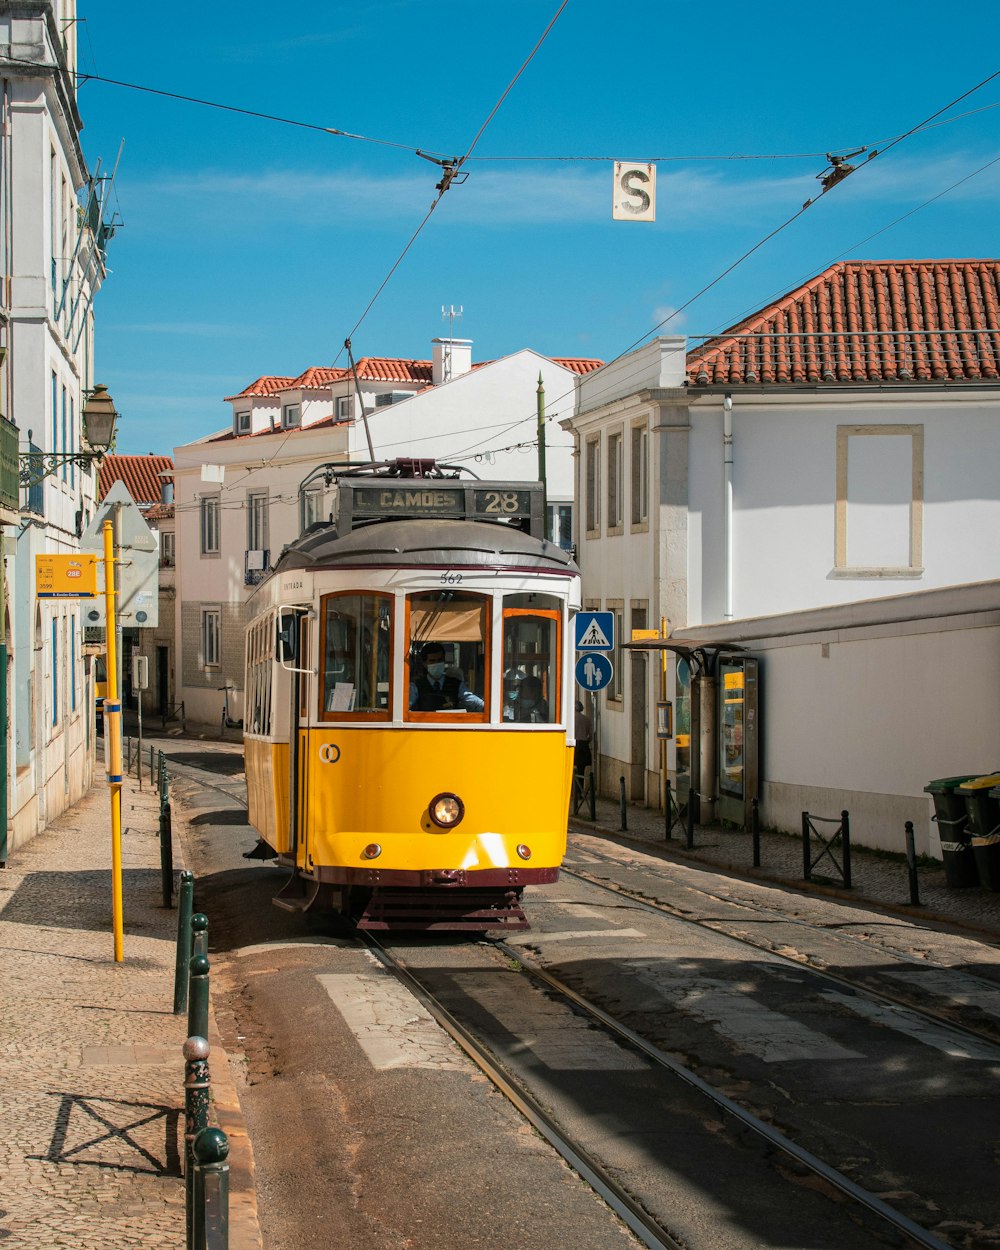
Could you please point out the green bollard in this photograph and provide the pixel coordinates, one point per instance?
(198, 997)
(185, 905)
(199, 934)
(196, 1100)
(211, 1190)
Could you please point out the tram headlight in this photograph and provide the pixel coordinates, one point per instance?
(446, 810)
(371, 851)
(524, 851)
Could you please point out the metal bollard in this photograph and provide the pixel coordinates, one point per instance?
(196, 1099)
(211, 1190)
(150, 765)
(755, 830)
(689, 831)
(593, 796)
(198, 996)
(185, 905)
(621, 802)
(845, 837)
(668, 810)
(166, 855)
(911, 864)
(199, 934)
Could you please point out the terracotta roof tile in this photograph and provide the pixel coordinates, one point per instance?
(139, 473)
(866, 321)
(577, 364)
(390, 369)
(160, 512)
(265, 385)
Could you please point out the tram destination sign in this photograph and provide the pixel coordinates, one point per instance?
(431, 497)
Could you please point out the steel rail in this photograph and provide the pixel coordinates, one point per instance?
(859, 986)
(816, 1165)
(649, 1232)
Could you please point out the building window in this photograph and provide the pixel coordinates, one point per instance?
(615, 482)
(880, 501)
(291, 416)
(167, 549)
(356, 656)
(640, 476)
(210, 525)
(592, 464)
(257, 520)
(55, 672)
(242, 423)
(65, 435)
(345, 407)
(311, 505)
(72, 663)
(211, 637)
(55, 413)
(614, 691)
(559, 525)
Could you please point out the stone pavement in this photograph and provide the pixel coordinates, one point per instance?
(91, 1068)
(877, 878)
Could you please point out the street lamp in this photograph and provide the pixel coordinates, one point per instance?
(98, 419)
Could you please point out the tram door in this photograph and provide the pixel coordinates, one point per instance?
(306, 693)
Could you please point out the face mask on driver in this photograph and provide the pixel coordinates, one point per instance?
(435, 671)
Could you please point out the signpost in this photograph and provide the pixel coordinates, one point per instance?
(593, 671)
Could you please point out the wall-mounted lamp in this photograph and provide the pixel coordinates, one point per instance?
(98, 418)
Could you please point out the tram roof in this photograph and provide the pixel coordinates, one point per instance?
(425, 542)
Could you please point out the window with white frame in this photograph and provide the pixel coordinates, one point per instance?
(615, 482)
(291, 416)
(559, 525)
(640, 475)
(167, 549)
(257, 520)
(592, 469)
(242, 422)
(210, 519)
(345, 407)
(211, 637)
(880, 501)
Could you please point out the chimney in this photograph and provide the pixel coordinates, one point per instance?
(452, 358)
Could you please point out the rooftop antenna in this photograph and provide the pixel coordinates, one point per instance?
(449, 314)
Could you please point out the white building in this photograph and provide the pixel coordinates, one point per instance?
(832, 465)
(237, 492)
(52, 247)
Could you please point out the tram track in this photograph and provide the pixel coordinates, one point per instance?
(653, 1229)
(858, 984)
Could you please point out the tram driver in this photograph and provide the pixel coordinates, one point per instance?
(437, 690)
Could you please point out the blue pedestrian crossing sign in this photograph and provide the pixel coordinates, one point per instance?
(593, 671)
(594, 631)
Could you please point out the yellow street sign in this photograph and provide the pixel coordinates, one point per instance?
(66, 576)
(640, 635)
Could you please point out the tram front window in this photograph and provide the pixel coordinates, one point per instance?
(446, 655)
(356, 649)
(531, 660)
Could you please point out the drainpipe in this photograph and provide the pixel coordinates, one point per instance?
(727, 450)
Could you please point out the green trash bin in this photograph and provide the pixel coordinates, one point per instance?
(984, 826)
(952, 821)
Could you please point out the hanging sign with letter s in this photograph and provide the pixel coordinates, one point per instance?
(635, 192)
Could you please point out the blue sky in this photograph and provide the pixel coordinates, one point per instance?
(253, 247)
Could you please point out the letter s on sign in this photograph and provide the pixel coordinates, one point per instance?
(635, 192)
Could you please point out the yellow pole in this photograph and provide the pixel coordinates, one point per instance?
(663, 696)
(113, 739)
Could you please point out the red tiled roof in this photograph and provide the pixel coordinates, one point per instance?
(160, 512)
(577, 364)
(263, 386)
(866, 321)
(139, 473)
(390, 369)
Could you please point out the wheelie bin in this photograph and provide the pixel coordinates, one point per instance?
(952, 821)
(984, 826)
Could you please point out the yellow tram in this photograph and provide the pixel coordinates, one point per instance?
(408, 724)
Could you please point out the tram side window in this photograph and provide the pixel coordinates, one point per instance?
(356, 646)
(447, 653)
(531, 655)
(259, 675)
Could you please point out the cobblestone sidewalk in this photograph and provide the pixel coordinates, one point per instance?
(91, 1068)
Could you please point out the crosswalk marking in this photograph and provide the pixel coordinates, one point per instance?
(940, 1037)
